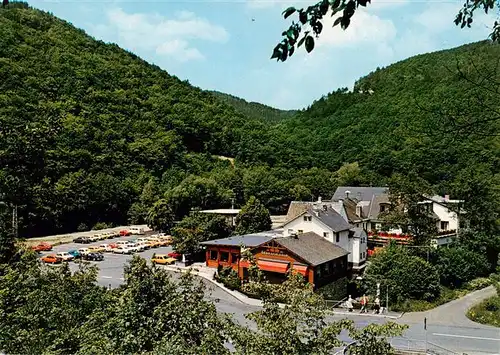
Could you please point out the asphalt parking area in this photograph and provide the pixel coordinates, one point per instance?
(111, 268)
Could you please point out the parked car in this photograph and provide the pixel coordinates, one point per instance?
(134, 247)
(94, 238)
(155, 243)
(93, 257)
(122, 242)
(136, 231)
(51, 259)
(167, 239)
(144, 245)
(162, 259)
(122, 249)
(82, 240)
(75, 253)
(83, 251)
(43, 246)
(175, 255)
(125, 232)
(65, 256)
(96, 249)
(108, 247)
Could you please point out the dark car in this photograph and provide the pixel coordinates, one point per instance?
(93, 257)
(82, 240)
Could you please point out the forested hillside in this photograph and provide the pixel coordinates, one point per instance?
(91, 133)
(255, 110)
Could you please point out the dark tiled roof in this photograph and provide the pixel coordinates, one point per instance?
(359, 232)
(358, 193)
(248, 240)
(375, 205)
(312, 248)
(331, 218)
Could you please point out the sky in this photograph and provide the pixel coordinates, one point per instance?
(225, 45)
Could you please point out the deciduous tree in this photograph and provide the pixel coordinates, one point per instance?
(253, 218)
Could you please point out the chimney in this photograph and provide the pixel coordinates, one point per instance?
(325, 208)
(347, 194)
(319, 199)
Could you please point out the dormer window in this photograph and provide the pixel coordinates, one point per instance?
(383, 207)
(307, 218)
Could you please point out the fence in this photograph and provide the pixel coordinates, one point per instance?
(406, 346)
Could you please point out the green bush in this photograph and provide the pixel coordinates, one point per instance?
(477, 284)
(82, 227)
(228, 277)
(100, 225)
(456, 266)
(336, 291)
(486, 312)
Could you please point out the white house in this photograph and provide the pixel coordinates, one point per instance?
(325, 221)
(365, 205)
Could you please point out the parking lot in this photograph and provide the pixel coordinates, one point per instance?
(111, 268)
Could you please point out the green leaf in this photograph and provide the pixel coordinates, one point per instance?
(337, 21)
(301, 42)
(303, 17)
(323, 8)
(289, 12)
(276, 52)
(309, 44)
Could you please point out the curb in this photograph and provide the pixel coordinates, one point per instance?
(365, 315)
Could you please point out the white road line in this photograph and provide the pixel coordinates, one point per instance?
(464, 336)
(106, 277)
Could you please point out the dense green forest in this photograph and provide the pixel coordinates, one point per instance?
(255, 110)
(91, 133)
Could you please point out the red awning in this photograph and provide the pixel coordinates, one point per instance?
(301, 269)
(272, 266)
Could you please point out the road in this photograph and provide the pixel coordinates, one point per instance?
(447, 327)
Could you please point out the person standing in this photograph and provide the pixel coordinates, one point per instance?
(376, 306)
(349, 304)
(364, 303)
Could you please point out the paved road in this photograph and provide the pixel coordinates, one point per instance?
(447, 327)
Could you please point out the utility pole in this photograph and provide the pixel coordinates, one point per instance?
(387, 298)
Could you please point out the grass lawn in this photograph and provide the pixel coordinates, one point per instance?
(486, 312)
(446, 295)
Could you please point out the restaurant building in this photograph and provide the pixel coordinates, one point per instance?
(318, 260)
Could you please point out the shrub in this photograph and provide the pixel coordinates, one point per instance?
(100, 225)
(82, 227)
(456, 266)
(486, 312)
(477, 284)
(335, 291)
(228, 277)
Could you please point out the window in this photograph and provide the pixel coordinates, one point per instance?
(445, 225)
(308, 218)
(360, 256)
(224, 256)
(337, 237)
(325, 234)
(300, 231)
(234, 258)
(213, 254)
(382, 208)
(324, 269)
(290, 231)
(357, 225)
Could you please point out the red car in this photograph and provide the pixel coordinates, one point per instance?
(42, 247)
(124, 233)
(174, 254)
(51, 259)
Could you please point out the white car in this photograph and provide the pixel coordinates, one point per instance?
(83, 251)
(106, 247)
(94, 238)
(65, 256)
(134, 247)
(144, 245)
(121, 249)
(136, 231)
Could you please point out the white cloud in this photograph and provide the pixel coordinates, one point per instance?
(364, 28)
(179, 50)
(170, 37)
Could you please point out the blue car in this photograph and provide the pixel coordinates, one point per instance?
(75, 253)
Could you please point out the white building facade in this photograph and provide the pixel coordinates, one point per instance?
(328, 223)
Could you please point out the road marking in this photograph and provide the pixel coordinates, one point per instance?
(464, 336)
(106, 277)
